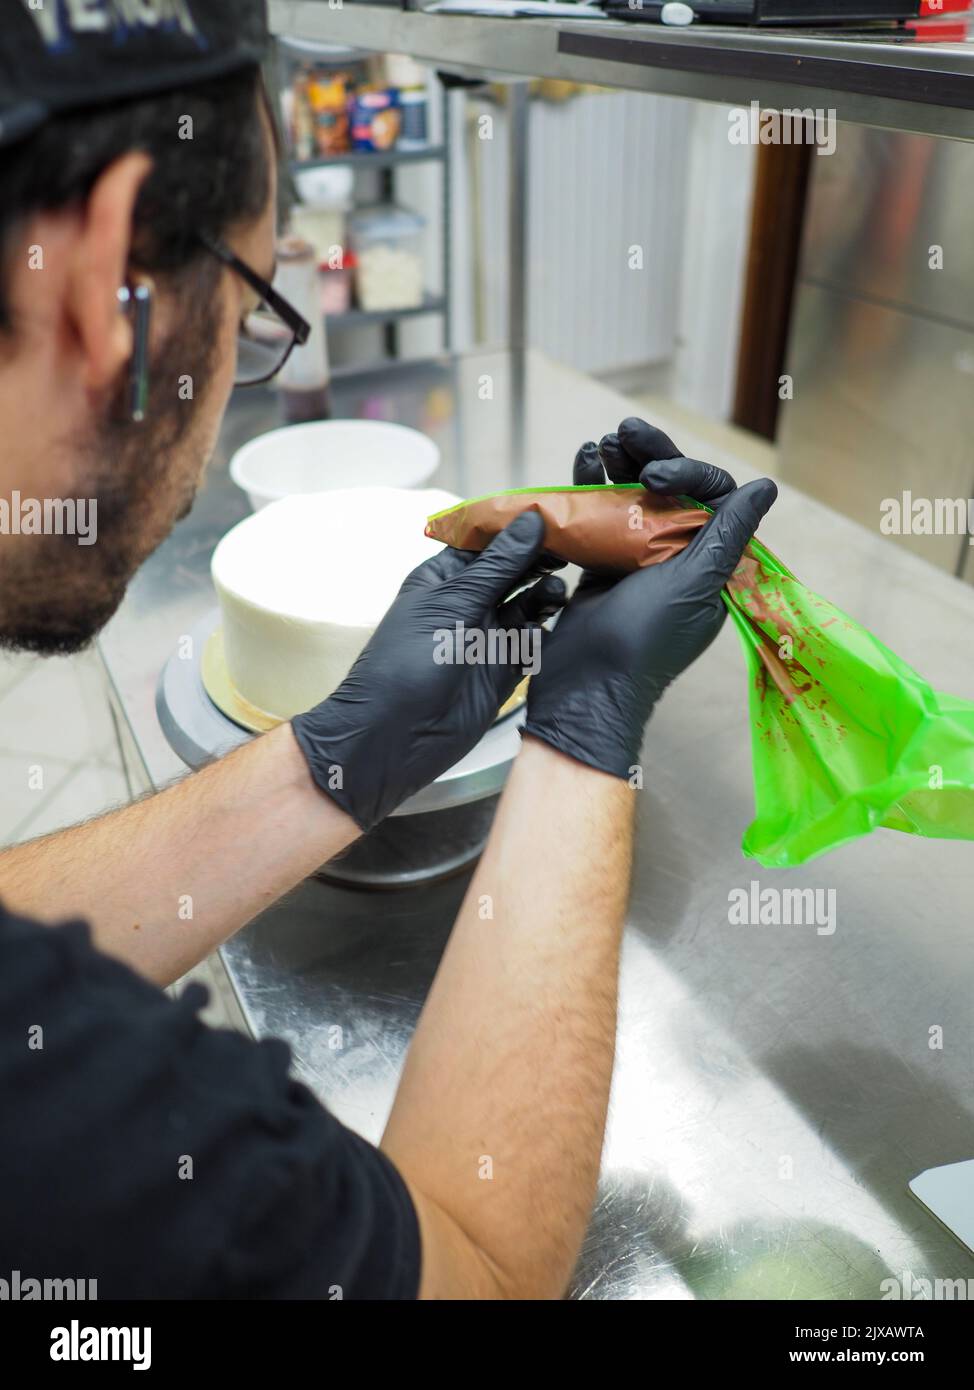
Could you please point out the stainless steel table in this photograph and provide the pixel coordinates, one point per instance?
(774, 1088)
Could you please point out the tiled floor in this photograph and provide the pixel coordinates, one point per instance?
(60, 763)
(59, 760)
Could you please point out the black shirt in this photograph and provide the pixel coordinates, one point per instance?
(167, 1159)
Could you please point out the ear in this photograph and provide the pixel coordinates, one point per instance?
(99, 265)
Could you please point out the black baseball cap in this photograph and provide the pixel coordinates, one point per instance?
(70, 55)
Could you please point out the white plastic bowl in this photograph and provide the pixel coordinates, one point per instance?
(328, 454)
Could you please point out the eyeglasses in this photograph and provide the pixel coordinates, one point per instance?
(266, 339)
(270, 332)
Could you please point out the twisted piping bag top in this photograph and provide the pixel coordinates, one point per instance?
(616, 528)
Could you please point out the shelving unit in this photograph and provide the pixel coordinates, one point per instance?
(384, 163)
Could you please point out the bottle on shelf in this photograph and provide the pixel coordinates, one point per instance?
(304, 380)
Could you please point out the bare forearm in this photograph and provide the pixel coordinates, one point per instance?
(165, 881)
(499, 1118)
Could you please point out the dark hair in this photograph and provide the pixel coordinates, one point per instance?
(206, 183)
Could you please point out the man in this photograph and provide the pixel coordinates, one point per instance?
(142, 1149)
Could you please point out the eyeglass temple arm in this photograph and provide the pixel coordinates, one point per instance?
(298, 325)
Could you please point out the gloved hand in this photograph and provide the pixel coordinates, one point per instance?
(400, 718)
(620, 642)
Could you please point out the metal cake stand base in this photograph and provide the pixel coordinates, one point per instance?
(437, 832)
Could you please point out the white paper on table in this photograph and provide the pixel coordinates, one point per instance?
(948, 1194)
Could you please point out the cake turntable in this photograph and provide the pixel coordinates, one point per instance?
(434, 834)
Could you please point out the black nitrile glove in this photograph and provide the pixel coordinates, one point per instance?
(620, 642)
(400, 718)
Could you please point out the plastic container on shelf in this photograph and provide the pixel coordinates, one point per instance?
(387, 242)
(336, 286)
(414, 131)
(401, 70)
(325, 230)
(326, 195)
(329, 188)
(303, 382)
(410, 80)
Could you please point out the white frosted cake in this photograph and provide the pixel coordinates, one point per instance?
(304, 583)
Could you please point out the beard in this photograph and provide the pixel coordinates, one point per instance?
(55, 594)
